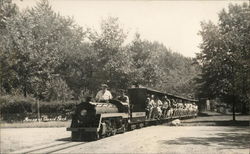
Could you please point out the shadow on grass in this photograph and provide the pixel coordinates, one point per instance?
(227, 140)
(220, 123)
(202, 114)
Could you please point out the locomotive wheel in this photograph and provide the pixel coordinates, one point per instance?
(141, 125)
(96, 136)
(108, 134)
(75, 136)
(93, 136)
(114, 131)
(123, 128)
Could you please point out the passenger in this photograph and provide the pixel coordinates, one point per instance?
(158, 102)
(195, 109)
(148, 107)
(152, 100)
(170, 111)
(174, 107)
(157, 109)
(123, 97)
(165, 106)
(103, 95)
(151, 106)
(190, 109)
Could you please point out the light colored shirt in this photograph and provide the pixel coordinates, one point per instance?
(158, 103)
(103, 96)
(152, 103)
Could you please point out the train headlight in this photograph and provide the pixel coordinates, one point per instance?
(83, 112)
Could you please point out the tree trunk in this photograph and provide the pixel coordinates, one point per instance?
(38, 111)
(234, 108)
(233, 93)
(25, 90)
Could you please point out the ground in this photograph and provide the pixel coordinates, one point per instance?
(189, 138)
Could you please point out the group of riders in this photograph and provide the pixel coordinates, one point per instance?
(163, 108)
(156, 108)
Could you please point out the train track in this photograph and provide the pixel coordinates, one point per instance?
(50, 148)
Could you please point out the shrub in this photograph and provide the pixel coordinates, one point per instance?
(16, 104)
(16, 108)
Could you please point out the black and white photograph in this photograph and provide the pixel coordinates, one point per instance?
(125, 76)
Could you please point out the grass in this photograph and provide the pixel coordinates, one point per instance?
(35, 124)
(217, 119)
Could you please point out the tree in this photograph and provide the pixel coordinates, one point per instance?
(113, 60)
(8, 10)
(47, 55)
(158, 67)
(37, 43)
(225, 56)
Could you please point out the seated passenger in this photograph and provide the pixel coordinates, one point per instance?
(151, 106)
(174, 107)
(157, 112)
(123, 97)
(152, 101)
(170, 111)
(165, 106)
(124, 100)
(103, 95)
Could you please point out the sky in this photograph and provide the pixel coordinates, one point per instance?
(174, 23)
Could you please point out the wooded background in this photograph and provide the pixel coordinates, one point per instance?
(48, 57)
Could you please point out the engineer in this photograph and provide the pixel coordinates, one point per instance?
(103, 95)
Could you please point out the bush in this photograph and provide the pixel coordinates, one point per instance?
(17, 108)
(57, 107)
(16, 104)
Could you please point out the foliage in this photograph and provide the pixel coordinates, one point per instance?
(225, 56)
(16, 104)
(19, 107)
(113, 60)
(47, 56)
(156, 66)
(8, 10)
(38, 41)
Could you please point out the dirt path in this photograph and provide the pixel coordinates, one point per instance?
(165, 139)
(13, 139)
(206, 134)
(154, 139)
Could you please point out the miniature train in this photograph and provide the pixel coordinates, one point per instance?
(94, 120)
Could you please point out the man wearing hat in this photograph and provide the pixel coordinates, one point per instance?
(104, 94)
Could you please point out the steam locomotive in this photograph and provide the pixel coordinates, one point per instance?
(95, 120)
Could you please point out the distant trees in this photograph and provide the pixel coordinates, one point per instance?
(225, 57)
(157, 66)
(49, 57)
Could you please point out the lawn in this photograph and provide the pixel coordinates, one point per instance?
(35, 124)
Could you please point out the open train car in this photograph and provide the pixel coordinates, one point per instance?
(139, 103)
(94, 120)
